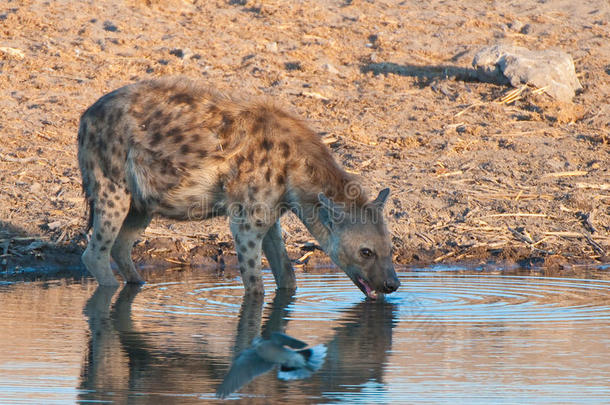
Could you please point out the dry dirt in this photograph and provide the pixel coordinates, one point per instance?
(388, 84)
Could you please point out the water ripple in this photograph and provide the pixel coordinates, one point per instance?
(441, 296)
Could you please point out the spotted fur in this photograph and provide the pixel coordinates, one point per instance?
(177, 149)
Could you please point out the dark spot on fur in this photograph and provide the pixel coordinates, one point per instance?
(251, 244)
(98, 236)
(104, 196)
(117, 214)
(285, 149)
(213, 109)
(252, 190)
(259, 124)
(103, 248)
(111, 188)
(266, 144)
(253, 279)
(195, 137)
(242, 248)
(258, 223)
(268, 174)
(114, 118)
(110, 204)
(114, 229)
(264, 160)
(247, 227)
(182, 98)
(184, 149)
(280, 179)
(82, 133)
(251, 263)
(156, 138)
(242, 269)
(202, 153)
(117, 197)
(251, 157)
(227, 120)
(240, 159)
(107, 224)
(115, 172)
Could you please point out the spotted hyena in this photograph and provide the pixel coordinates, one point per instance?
(177, 149)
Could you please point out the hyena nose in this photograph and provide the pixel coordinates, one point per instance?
(389, 286)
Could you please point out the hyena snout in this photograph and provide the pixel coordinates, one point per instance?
(390, 281)
(390, 285)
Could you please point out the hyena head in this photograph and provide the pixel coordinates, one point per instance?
(360, 244)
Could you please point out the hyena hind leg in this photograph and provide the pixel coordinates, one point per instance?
(275, 251)
(110, 208)
(135, 223)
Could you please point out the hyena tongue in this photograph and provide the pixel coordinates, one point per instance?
(372, 294)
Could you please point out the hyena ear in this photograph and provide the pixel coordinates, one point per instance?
(329, 212)
(379, 202)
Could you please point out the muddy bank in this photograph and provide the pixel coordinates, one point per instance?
(478, 174)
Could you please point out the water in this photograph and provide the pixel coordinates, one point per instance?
(447, 336)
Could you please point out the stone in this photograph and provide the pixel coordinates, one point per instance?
(551, 69)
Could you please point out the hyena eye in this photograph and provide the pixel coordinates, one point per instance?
(366, 253)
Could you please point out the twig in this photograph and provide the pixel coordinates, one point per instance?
(540, 90)
(515, 214)
(17, 160)
(528, 240)
(175, 261)
(301, 261)
(513, 95)
(602, 187)
(468, 108)
(520, 236)
(566, 174)
(443, 257)
(596, 246)
(455, 173)
(586, 221)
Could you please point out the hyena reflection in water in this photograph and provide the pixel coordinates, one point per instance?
(177, 149)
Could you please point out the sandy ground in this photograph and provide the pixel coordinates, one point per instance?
(387, 83)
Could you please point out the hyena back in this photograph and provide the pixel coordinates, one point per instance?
(177, 149)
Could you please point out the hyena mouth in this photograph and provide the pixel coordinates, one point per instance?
(366, 288)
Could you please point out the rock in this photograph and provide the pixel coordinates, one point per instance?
(35, 188)
(271, 47)
(516, 26)
(553, 70)
(526, 29)
(12, 52)
(109, 26)
(54, 225)
(177, 52)
(330, 68)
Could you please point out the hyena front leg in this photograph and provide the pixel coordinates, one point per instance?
(248, 244)
(111, 204)
(275, 251)
(134, 224)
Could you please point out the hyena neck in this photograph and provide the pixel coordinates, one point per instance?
(324, 176)
(308, 213)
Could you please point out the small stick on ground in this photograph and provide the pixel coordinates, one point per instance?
(596, 246)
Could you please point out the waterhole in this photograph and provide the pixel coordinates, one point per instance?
(448, 335)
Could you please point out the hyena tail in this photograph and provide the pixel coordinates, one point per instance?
(90, 219)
